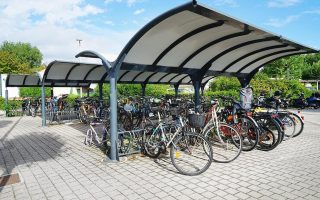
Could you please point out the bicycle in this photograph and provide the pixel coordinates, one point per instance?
(191, 154)
(226, 141)
(126, 139)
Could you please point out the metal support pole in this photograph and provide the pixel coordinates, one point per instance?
(100, 92)
(176, 90)
(196, 81)
(43, 105)
(244, 81)
(143, 89)
(202, 89)
(113, 117)
(196, 86)
(6, 99)
(88, 92)
(51, 93)
(113, 75)
(7, 96)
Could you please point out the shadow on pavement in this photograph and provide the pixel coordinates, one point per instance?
(28, 149)
(165, 163)
(9, 131)
(4, 123)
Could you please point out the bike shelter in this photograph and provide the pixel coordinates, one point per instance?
(189, 44)
(35, 80)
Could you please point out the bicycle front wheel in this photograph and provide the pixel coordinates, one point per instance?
(226, 143)
(191, 154)
(299, 124)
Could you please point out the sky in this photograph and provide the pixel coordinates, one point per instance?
(106, 26)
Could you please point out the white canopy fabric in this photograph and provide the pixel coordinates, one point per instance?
(187, 41)
(18, 80)
(195, 38)
(76, 72)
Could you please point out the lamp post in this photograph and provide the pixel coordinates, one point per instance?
(79, 42)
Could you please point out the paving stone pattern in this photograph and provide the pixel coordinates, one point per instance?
(54, 163)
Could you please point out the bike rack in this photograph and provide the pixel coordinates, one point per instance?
(135, 138)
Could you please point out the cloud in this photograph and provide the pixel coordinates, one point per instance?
(128, 2)
(57, 11)
(274, 22)
(53, 26)
(131, 2)
(111, 1)
(138, 12)
(231, 3)
(109, 22)
(282, 3)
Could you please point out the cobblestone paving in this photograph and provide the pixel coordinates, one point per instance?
(55, 164)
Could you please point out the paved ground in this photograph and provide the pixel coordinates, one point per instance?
(55, 164)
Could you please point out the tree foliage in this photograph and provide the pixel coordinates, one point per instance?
(312, 72)
(34, 92)
(24, 53)
(10, 64)
(295, 67)
(126, 90)
(230, 86)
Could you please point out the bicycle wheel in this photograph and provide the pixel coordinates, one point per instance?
(267, 125)
(249, 132)
(299, 124)
(191, 154)
(289, 125)
(226, 143)
(124, 142)
(266, 139)
(152, 144)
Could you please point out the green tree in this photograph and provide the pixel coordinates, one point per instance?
(225, 83)
(34, 92)
(24, 52)
(312, 72)
(10, 64)
(289, 67)
(126, 90)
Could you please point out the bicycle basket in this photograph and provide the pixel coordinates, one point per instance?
(196, 121)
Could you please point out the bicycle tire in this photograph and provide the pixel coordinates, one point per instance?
(267, 123)
(249, 131)
(226, 143)
(289, 125)
(124, 142)
(152, 143)
(299, 124)
(266, 140)
(188, 152)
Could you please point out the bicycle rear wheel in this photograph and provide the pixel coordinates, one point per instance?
(191, 154)
(289, 125)
(299, 124)
(269, 125)
(249, 132)
(226, 143)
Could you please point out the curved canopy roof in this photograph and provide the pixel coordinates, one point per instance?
(76, 72)
(18, 80)
(192, 38)
(186, 41)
